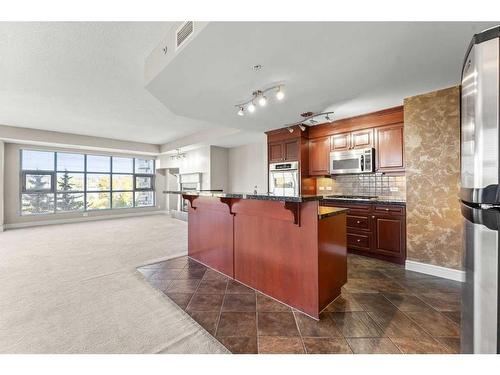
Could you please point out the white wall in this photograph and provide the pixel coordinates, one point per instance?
(219, 168)
(2, 158)
(247, 167)
(196, 161)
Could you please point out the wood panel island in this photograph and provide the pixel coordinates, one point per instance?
(289, 248)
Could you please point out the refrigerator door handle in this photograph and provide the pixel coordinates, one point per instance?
(489, 216)
(488, 206)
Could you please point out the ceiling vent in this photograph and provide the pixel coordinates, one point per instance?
(183, 33)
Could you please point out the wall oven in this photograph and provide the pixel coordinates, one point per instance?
(284, 179)
(352, 161)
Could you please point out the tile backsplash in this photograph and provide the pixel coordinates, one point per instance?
(364, 184)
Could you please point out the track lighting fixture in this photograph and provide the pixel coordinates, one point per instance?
(178, 155)
(259, 97)
(280, 94)
(310, 119)
(262, 101)
(251, 107)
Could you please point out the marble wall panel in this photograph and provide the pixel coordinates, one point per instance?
(432, 152)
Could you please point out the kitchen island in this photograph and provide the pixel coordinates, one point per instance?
(289, 248)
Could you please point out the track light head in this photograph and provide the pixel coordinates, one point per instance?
(262, 101)
(241, 111)
(280, 94)
(251, 108)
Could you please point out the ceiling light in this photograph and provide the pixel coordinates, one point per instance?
(290, 130)
(280, 94)
(259, 97)
(310, 119)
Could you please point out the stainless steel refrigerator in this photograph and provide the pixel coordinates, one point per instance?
(480, 193)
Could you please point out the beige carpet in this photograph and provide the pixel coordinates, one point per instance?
(73, 289)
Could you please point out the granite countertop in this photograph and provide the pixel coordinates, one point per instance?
(262, 196)
(381, 200)
(324, 211)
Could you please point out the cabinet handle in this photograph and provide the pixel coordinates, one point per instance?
(387, 209)
(359, 240)
(358, 222)
(373, 217)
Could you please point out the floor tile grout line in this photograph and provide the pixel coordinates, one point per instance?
(257, 323)
(220, 314)
(300, 332)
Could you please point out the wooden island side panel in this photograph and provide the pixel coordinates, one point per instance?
(276, 256)
(332, 258)
(210, 234)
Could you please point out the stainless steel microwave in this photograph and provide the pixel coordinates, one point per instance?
(352, 161)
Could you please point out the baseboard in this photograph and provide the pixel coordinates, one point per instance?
(430, 269)
(82, 219)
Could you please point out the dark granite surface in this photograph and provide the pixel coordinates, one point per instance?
(381, 200)
(262, 196)
(325, 211)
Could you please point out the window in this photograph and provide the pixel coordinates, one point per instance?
(68, 182)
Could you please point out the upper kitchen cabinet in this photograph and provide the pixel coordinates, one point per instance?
(284, 150)
(319, 156)
(352, 140)
(291, 149)
(362, 139)
(389, 147)
(275, 152)
(341, 142)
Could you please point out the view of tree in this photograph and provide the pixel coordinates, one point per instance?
(68, 201)
(99, 201)
(37, 203)
(92, 182)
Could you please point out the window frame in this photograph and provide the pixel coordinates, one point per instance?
(24, 174)
(152, 177)
(55, 192)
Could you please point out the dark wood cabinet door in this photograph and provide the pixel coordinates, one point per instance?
(341, 142)
(389, 153)
(276, 153)
(291, 150)
(319, 156)
(362, 139)
(389, 236)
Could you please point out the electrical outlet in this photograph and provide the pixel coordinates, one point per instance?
(85, 214)
(329, 188)
(394, 188)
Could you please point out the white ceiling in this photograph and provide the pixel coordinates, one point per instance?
(350, 68)
(88, 78)
(84, 78)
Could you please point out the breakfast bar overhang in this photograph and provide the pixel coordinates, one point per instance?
(289, 248)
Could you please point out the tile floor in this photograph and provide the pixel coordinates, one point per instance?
(383, 309)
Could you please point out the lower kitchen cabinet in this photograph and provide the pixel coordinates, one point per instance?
(375, 230)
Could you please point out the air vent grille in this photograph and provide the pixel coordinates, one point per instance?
(184, 32)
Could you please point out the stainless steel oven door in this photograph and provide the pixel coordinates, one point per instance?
(343, 162)
(284, 183)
